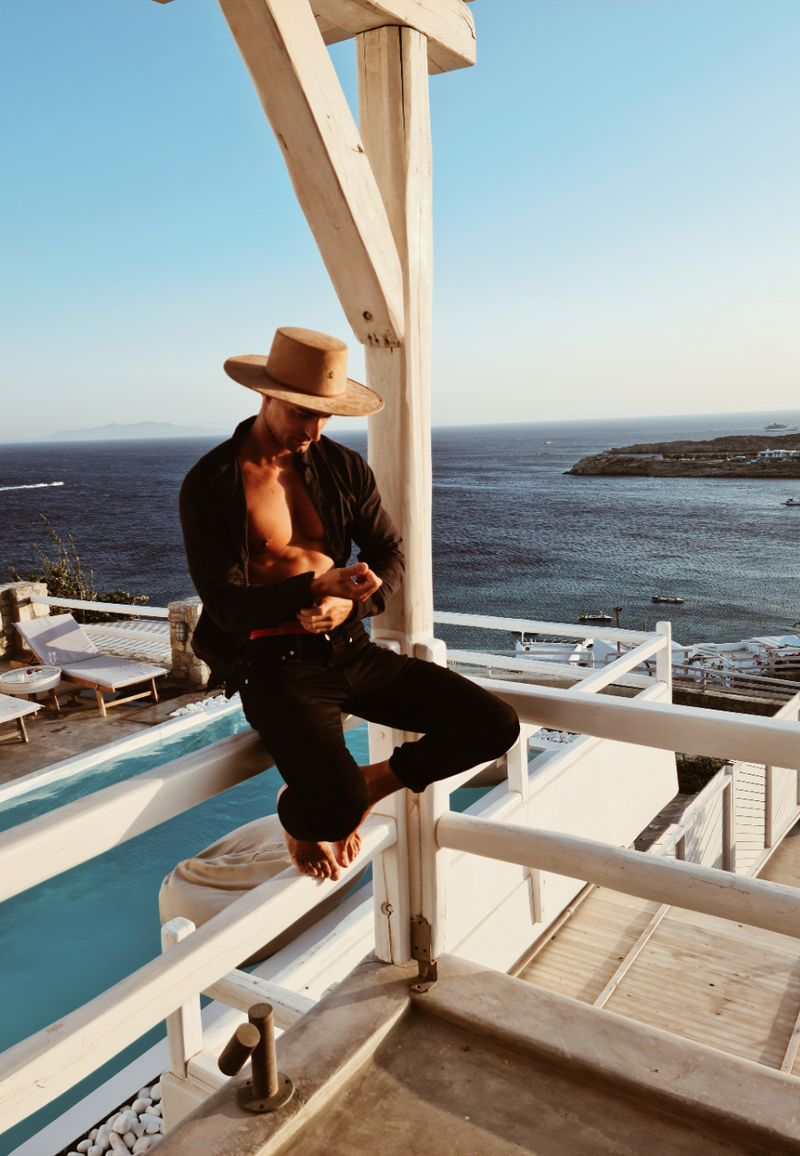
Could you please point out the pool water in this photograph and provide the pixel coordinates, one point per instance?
(68, 939)
(118, 766)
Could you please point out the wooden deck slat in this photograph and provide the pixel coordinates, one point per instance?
(736, 988)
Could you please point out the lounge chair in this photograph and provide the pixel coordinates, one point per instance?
(61, 641)
(12, 710)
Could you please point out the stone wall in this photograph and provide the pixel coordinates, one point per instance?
(16, 606)
(186, 666)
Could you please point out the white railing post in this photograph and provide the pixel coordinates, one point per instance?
(769, 806)
(184, 1025)
(390, 886)
(664, 656)
(517, 763)
(729, 823)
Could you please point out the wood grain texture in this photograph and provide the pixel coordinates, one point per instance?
(703, 978)
(447, 25)
(300, 93)
(395, 124)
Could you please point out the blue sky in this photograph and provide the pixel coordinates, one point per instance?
(616, 226)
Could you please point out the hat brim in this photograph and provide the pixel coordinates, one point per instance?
(356, 401)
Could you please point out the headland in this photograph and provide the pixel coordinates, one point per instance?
(737, 456)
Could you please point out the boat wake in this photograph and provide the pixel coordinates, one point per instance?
(33, 486)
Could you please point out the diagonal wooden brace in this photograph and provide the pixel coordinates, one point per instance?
(300, 93)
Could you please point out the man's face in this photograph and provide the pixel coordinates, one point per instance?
(292, 426)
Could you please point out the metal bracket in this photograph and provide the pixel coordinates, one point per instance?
(421, 944)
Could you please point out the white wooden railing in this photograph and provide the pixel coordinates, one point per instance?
(741, 816)
(108, 607)
(38, 1069)
(35, 1071)
(752, 901)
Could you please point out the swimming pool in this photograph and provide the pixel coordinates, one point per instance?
(71, 937)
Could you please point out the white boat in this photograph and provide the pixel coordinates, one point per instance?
(774, 426)
(791, 502)
(668, 598)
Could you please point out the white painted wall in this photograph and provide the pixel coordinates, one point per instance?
(596, 788)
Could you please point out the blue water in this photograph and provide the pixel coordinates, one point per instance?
(112, 770)
(512, 535)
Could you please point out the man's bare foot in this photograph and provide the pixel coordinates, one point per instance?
(315, 859)
(345, 851)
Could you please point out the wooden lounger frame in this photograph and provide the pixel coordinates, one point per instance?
(91, 684)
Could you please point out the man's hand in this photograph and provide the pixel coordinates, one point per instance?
(328, 613)
(355, 583)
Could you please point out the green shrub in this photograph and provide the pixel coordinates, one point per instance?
(694, 771)
(64, 578)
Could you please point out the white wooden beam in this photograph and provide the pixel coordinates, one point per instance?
(41, 848)
(395, 123)
(184, 1025)
(686, 885)
(241, 990)
(447, 25)
(664, 726)
(300, 93)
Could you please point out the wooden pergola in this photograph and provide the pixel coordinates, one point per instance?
(365, 191)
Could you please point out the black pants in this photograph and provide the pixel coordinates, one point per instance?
(294, 688)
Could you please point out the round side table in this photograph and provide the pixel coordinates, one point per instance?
(30, 681)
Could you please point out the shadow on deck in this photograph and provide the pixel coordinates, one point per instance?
(488, 1065)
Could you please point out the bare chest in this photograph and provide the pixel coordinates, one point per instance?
(280, 512)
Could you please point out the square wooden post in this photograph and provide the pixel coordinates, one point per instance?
(395, 128)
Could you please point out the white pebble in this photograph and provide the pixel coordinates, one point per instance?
(154, 1110)
(117, 1143)
(101, 1139)
(138, 1129)
(111, 1119)
(74, 1154)
(143, 1145)
(141, 1105)
(155, 1092)
(143, 1092)
(84, 1145)
(93, 1133)
(123, 1124)
(130, 1138)
(95, 1150)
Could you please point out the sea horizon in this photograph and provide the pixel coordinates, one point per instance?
(734, 416)
(512, 535)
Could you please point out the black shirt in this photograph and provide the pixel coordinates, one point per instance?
(213, 511)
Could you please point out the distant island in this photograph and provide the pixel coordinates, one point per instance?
(141, 429)
(723, 457)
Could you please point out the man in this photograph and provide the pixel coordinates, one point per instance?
(268, 518)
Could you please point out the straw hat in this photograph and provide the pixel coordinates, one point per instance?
(305, 368)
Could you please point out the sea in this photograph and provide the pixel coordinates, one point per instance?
(512, 535)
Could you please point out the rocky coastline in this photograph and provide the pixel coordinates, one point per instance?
(723, 457)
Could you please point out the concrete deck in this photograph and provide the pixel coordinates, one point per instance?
(486, 1065)
(75, 730)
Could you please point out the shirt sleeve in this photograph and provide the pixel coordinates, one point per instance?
(379, 543)
(217, 567)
